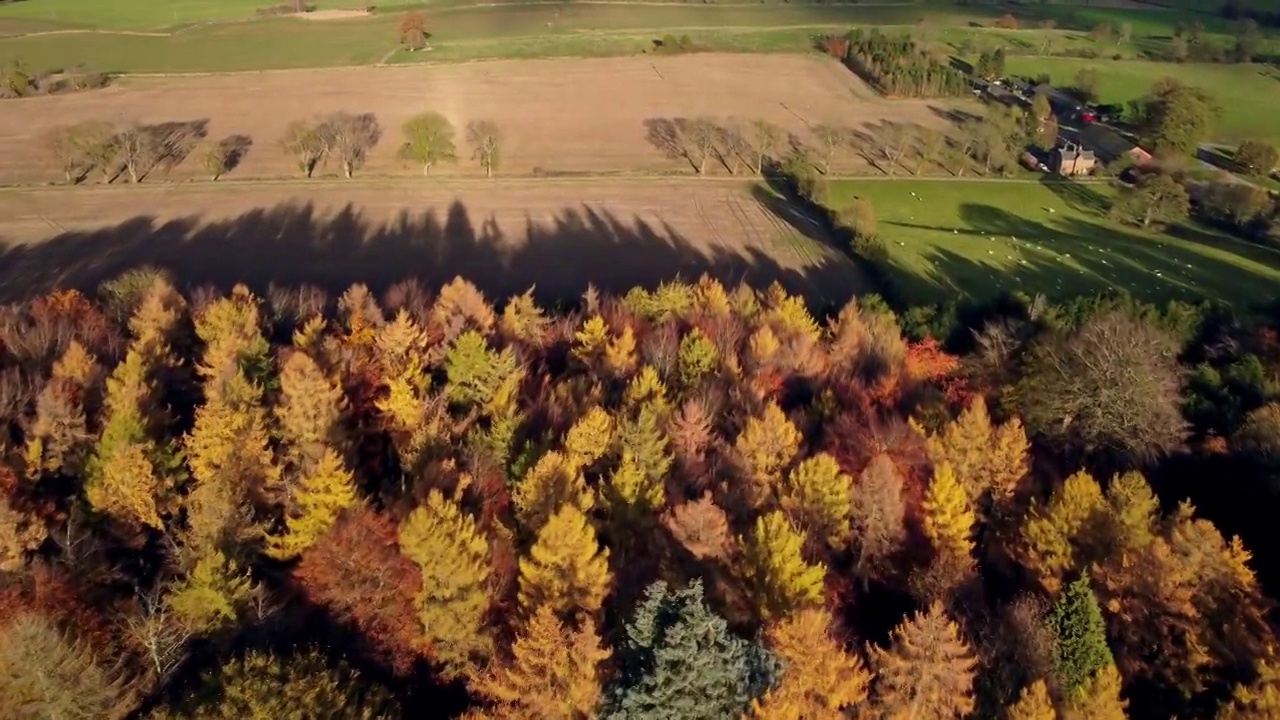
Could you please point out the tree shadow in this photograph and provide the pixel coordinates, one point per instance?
(668, 135)
(1078, 196)
(174, 141)
(233, 148)
(292, 244)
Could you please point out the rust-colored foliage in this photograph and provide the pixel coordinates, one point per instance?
(356, 571)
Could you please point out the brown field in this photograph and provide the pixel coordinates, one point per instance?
(505, 235)
(559, 116)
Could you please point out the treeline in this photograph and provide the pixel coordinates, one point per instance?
(17, 81)
(896, 66)
(692, 502)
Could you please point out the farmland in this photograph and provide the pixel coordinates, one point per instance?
(955, 239)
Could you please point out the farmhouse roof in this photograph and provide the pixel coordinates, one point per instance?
(1105, 142)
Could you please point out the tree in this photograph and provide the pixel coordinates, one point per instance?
(413, 30)
(428, 140)
(877, 512)
(553, 672)
(679, 662)
(1257, 700)
(1101, 700)
(215, 160)
(306, 143)
(780, 578)
(44, 674)
(764, 449)
(302, 685)
(325, 489)
(566, 568)
(66, 144)
(988, 460)
(701, 527)
(1086, 84)
(1111, 387)
(1257, 157)
(816, 494)
(444, 542)
(1248, 40)
(1175, 118)
(138, 149)
(1157, 198)
(97, 141)
(764, 139)
(1080, 639)
(486, 141)
(699, 139)
(832, 138)
(309, 415)
(349, 138)
(820, 681)
(1052, 537)
(926, 672)
(860, 217)
(1101, 33)
(948, 520)
(1033, 704)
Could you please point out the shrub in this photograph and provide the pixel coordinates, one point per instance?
(1007, 22)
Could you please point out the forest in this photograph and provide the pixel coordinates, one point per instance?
(689, 502)
(897, 67)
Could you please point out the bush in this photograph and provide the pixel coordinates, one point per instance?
(1007, 22)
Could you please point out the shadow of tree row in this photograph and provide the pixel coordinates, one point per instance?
(293, 244)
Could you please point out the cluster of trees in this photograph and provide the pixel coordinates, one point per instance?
(695, 502)
(16, 81)
(1189, 43)
(134, 150)
(347, 139)
(898, 66)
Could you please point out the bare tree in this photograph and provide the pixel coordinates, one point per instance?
(898, 139)
(932, 146)
(831, 139)
(99, 144)
(138, 150)
(349, 138)
(731, 145)
(63, 142)
(156, 631)
(699, 135)
(765, 138)
(486, 139)
(306, 144)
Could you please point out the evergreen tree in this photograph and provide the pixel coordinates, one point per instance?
(927, 671)
(444, 542)
(1080, 639)
(323, 492)
(781, 579)
(553, 672)
(566, 568)
(679, 662)
(646, 442)
(820, 681)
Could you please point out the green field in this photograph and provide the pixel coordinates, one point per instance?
(956, 239)
(1248, 95)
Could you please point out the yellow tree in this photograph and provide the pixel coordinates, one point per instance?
(212, 594)
(454, 558)
(1049, 537)
(1033, 704)
(764, 449)
(620, 353)
(646, 388)
(948, 519)
(323, 491)
(590, 342)
(566, 568)
(631, 493)
(1101, 700)
(229, 441)
(817, 493)
(309, 413)
(988, 460)
(926, 672)
(820, 681)
(549, 485)
(59, 440)
(1258, 700)
(124, 486)
(231, 330)
(552, 672)
(589, 438)
(781, 579)
(522, 320)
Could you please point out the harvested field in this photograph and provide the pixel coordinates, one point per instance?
(504, 235)
(558, 116)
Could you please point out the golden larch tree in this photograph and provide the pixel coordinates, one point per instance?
(816, 493)
(1257, 700)
(620, 353)
(1048, 543)
(552, 672)
(764, 449)
(589, 438)
(820, 680)
(926, 672)
(309, 413)
(646, 388)
(773, 563)
(523, 321)
(590, 342)
(1101, 701)
(229, 442)
(629, 492)
(566, 569)
(453, 555)
(948, 518)
(1033, 704)
(988, 460)
(549, 485)
(322, 492)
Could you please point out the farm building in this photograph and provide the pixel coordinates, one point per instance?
(1071, 160)
(1108, 145)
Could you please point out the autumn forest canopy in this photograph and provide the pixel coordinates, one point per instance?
(691, 502)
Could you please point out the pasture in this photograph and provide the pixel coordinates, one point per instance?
(558, 116)
(1247, 95)
(505, 235)
(954, 239)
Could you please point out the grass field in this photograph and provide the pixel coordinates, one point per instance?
(953, 239)
(1248, 95)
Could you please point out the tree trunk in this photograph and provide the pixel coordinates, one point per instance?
(488, 169)
(133, 173)
(426, 167)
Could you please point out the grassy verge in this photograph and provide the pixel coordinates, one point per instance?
(949, 240)
(1248, 95)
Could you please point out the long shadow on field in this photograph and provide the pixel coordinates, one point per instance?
(292, 244)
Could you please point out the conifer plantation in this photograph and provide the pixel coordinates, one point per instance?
(695, 502)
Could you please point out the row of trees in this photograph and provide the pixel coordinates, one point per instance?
(135, 150)
(896, 66)
(692, 502)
